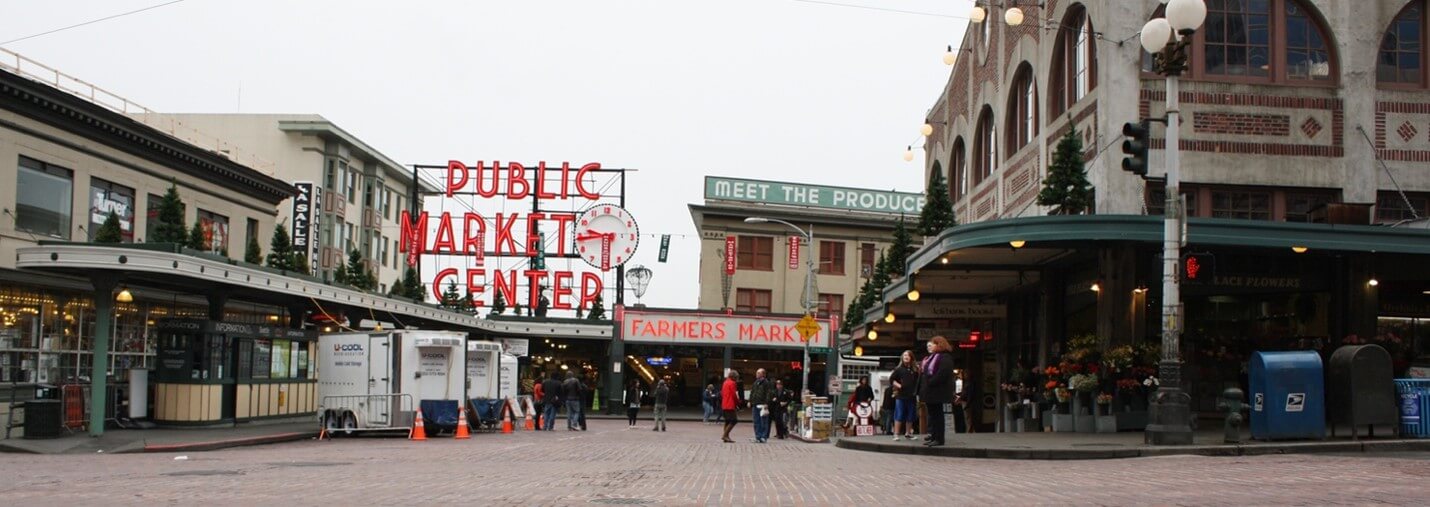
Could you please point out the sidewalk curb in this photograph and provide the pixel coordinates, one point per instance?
(225, 444)
(1137, 452)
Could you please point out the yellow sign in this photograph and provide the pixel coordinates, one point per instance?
(807, 327)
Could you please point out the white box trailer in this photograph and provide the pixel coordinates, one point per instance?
(377, 380)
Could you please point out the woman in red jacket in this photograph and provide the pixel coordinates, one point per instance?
(730, 403)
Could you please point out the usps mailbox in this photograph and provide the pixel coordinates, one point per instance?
(1287, 396)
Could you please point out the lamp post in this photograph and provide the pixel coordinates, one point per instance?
(808, 286)
(1168, 40)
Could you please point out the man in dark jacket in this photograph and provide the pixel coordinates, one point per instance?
(761, 394)
(571, 393)
(551, 398)
(779, 410)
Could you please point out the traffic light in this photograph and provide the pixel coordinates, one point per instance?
(539, 262)
(1135, 147)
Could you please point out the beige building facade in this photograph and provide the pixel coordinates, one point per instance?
(362, 191)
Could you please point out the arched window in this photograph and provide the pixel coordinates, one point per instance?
(1022, 110)
(1074, 60)
(1402, 51)
(1260, 41)
(958, 171)
(985, 146)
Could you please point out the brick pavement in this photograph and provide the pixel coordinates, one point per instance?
(686, 466)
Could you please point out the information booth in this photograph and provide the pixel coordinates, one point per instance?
(216, 372)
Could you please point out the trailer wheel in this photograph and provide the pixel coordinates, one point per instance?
(332, 422)
(349, 423)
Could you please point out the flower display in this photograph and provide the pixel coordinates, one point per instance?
(1104, 399)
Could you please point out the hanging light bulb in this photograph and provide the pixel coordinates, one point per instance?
(858, 350)
(873, 335)
(914, 295)
(124, 296)
(1096, 287)
(1013, 16)
(377, 328)
(926, 130)
(950, 57)
(1373, 282)
(889, 318)
(909, 154)
(978, 14)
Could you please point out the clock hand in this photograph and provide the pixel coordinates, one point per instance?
(594, 235)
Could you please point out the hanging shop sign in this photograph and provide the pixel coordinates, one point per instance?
(730, 251)
(814, 196)
(959, 311)
(664, 247)
(518, 347)
(794, 252)
(604, 234)
(694, 328)
(103, 201)
(305, 207)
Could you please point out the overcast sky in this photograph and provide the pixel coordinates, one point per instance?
(766, 89)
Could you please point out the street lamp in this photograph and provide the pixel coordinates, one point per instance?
(808, 300)
(1167, 39)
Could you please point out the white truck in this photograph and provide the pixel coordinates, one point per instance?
(376, 380)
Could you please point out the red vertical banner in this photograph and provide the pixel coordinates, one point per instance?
(730, 253)
(794, 252)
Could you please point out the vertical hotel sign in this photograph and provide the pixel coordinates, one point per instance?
(794, 252)
(305, 206)
(730, 253)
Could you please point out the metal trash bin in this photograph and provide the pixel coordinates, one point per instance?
(1287, 395)
(1414, 396)
(43, 419)
(1359, 388)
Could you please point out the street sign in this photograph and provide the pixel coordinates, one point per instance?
(807, 327)
(819, 350)
(664, 247)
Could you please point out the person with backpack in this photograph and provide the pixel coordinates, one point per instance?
(662, 400)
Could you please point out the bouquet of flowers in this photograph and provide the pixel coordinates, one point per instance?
(1063, 395)
(1104, 399)
(1083, 382)
(1128, 385)
(1152, 383)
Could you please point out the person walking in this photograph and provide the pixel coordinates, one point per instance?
(710, 399)
(729, 403)
(551, 392)
(937, 388)
(571, 393)
(662, 399)
(537, 395)
(761, 394)
(779, 410)
(904, 382)
(633, 402)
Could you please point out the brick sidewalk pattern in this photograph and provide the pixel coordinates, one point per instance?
(686, 465)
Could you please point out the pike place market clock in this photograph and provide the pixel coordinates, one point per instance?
(606, 236)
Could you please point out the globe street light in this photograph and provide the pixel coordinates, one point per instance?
(808, 286)
(1167, 39)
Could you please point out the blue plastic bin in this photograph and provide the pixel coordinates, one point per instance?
(1288, 398)
(1414, 396)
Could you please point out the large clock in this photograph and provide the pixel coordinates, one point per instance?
(606, 236)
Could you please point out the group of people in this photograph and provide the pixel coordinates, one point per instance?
(553, 393)
(768, 402)
(660, 397)
(927, 387)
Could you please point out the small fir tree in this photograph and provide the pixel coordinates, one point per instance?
(580, 311)
(300, 263)
(899, 251)
(170, 228)
(340, 274)
(542, 304)
(254, 253)
(1066, 188)
(598, 309)
(498, 303)
(451, 299)
(197, 239)
(397, 289)
(516, 308)
(469, 304)
(937, 214)
(110, 232)
(357, 275)
(280, 250)
(415, 290)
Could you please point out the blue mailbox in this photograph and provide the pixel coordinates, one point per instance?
(1287, 396)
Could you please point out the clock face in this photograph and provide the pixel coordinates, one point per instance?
(606, 236)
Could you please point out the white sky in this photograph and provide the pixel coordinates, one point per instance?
(765, 89)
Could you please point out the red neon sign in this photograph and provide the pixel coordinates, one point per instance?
(730, 252)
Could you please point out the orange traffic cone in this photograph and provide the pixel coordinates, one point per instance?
(529, 425)
(506, 420)
(419, 431)
(462, 433)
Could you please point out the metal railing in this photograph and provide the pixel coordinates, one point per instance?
(23, 66)
(344, 415)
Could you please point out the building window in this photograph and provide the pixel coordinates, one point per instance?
(1237, 38)
(1300, 204)
(1074, 60)
(106, 197)
(866, 260)
(1390, 207)
(831, 257)
(757, 253)
(1402, 50)
(958, 181)
(387, 203)
(1156, 200)
(383, 241)
(1266, 41)
(250, 230)
(985, 146)
(215, 227)
(46, 204)
(369, 194)
(830, 304)
(330, 176)
(1308, 57)
(350, 179)
(1246, 205)
(1022, 116)
(752, 301)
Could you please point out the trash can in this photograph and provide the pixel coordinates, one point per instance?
(1287, 396)
(1414, 397)
(1359, 389)
(42, 419)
